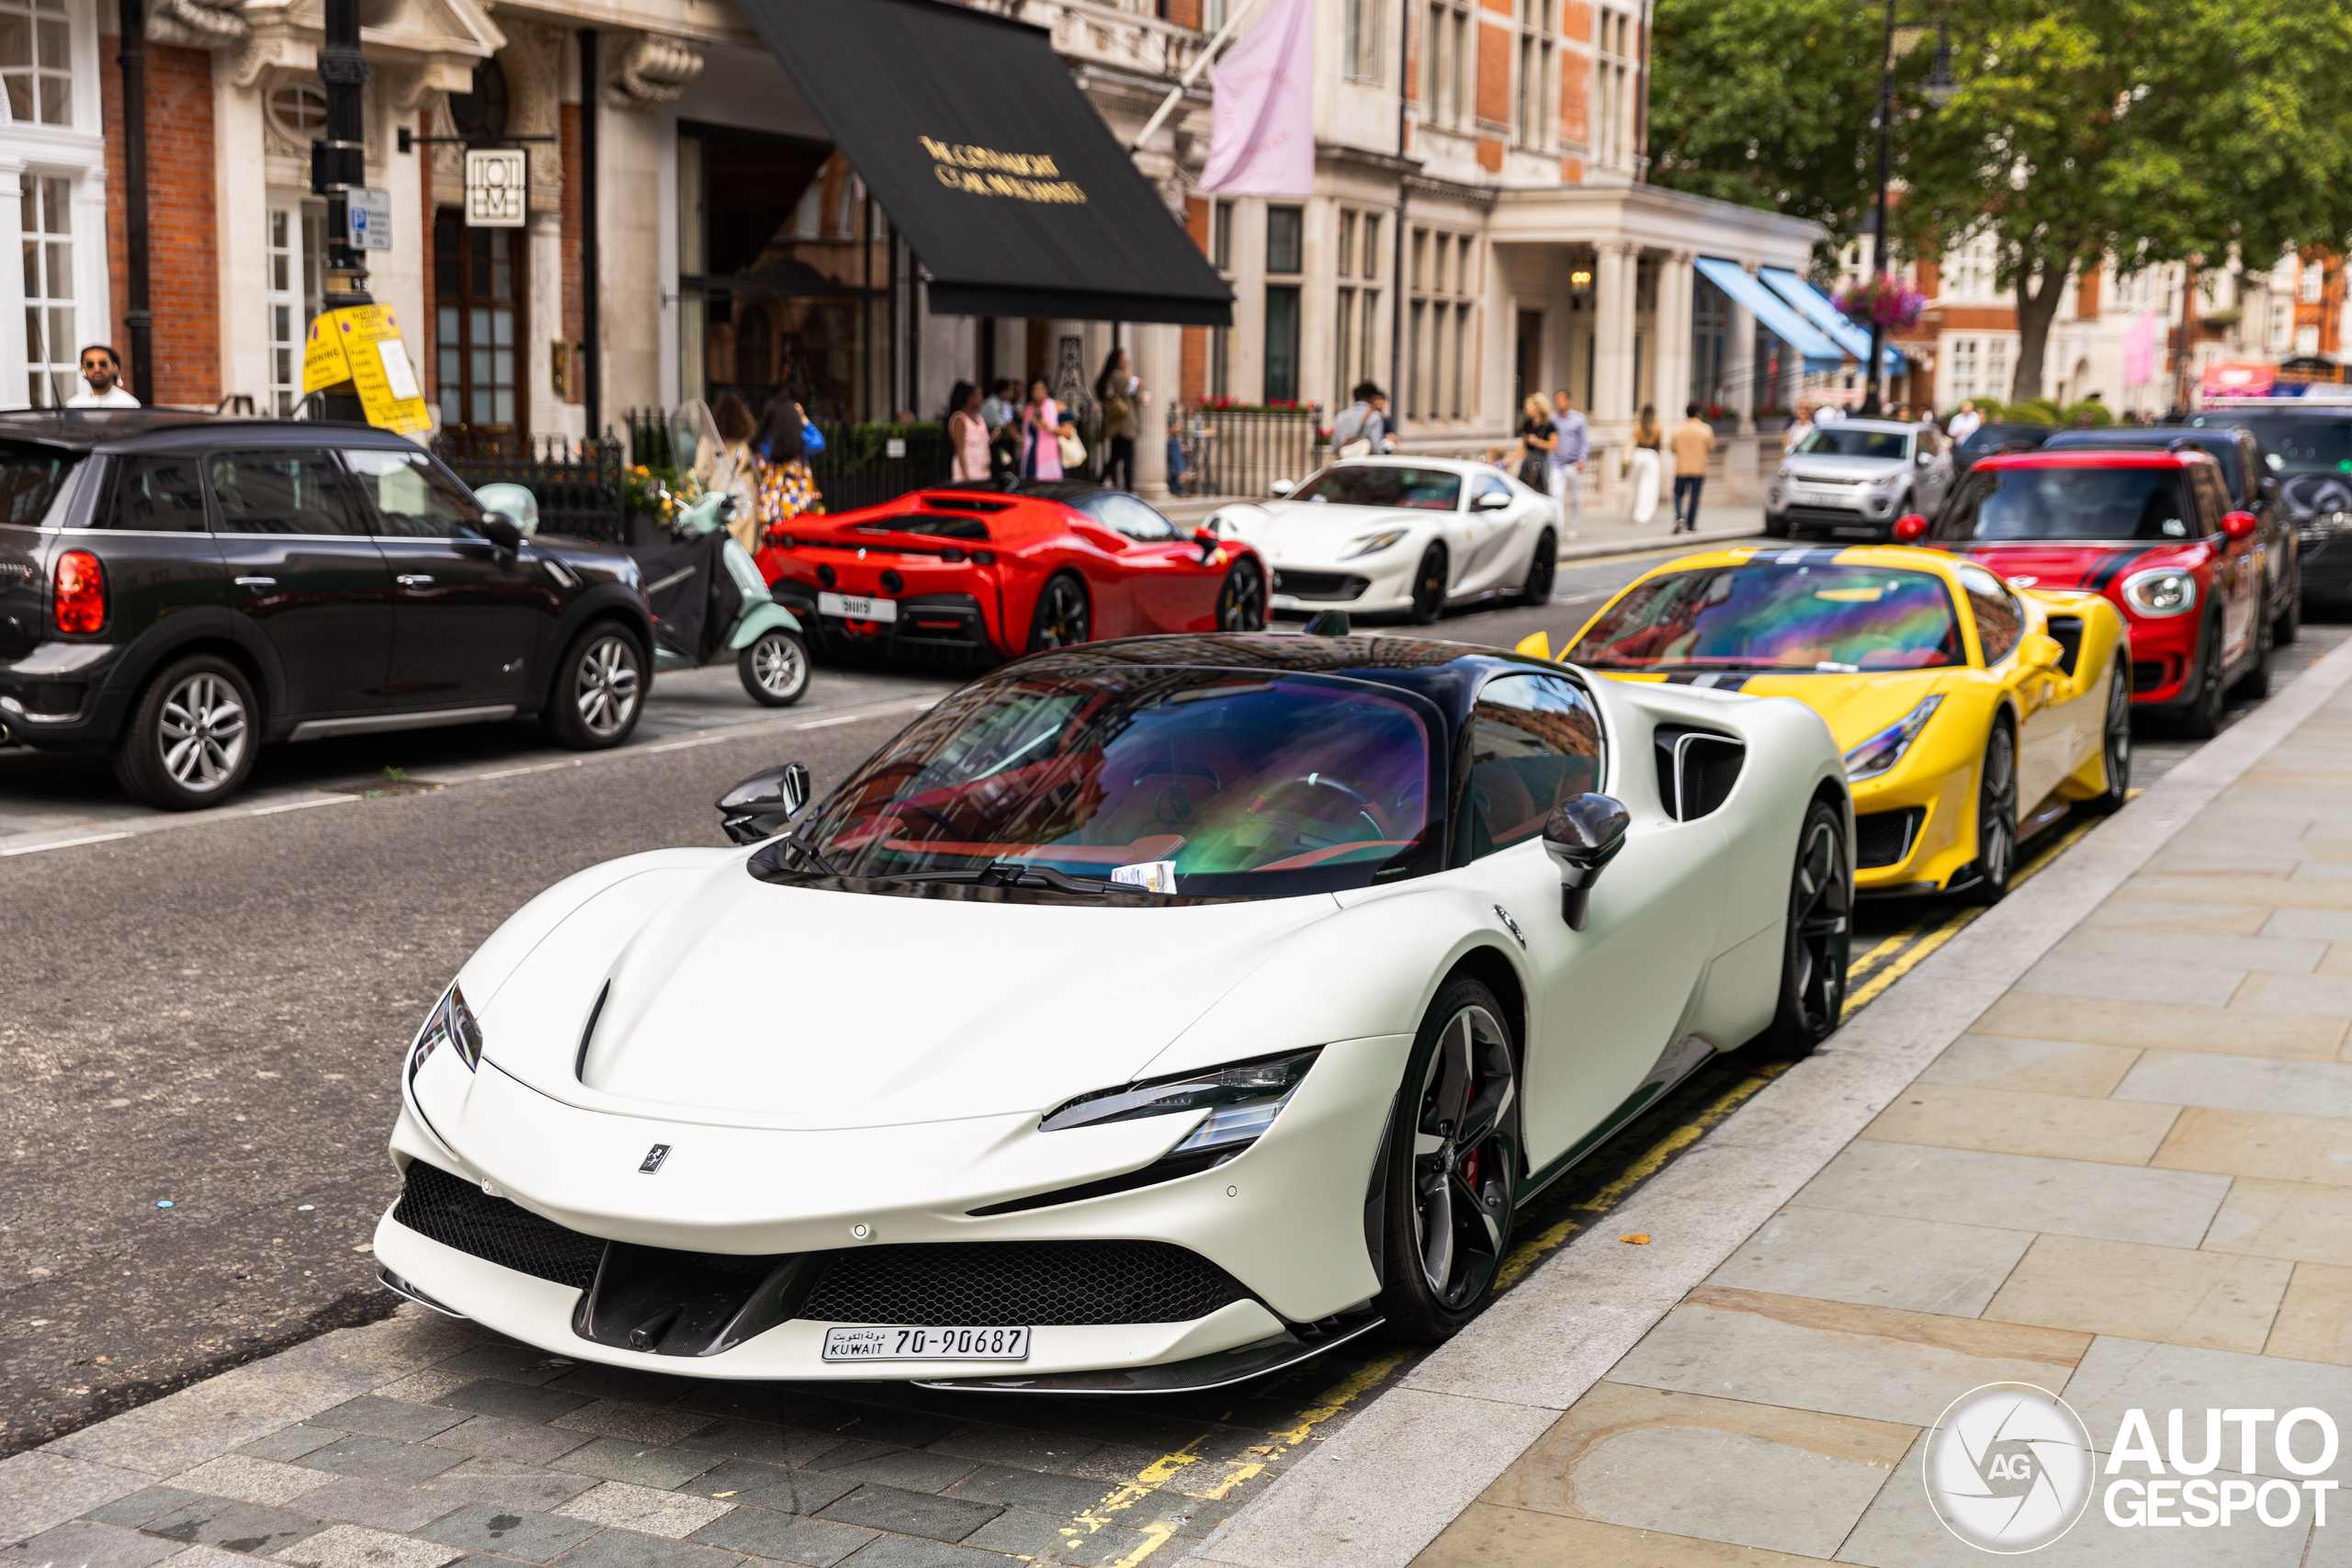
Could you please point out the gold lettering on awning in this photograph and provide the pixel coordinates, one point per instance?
(984, 171)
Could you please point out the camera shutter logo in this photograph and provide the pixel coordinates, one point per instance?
(498, 187)
(2009, 1468)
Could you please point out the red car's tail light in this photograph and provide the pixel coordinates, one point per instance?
(950, 555)
(984, 558)
(80, 592)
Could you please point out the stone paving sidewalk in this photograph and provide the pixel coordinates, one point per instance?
(420, 1442)
(2130, 1182)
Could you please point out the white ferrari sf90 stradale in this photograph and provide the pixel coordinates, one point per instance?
(1146, 1016)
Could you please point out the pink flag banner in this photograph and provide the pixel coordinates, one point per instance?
(2140, 351)
(1261, 135)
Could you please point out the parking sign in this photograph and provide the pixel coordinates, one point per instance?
(369, 218)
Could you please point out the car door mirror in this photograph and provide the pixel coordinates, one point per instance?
(1910, 528)
(2239, 525)
(1493, 501)
(1282, 487)
(1209, 542)
(501, 530)
(759, 806)
(1582, 837)
(2039, 650)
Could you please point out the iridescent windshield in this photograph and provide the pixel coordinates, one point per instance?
(1827, 618)
(1249, 782)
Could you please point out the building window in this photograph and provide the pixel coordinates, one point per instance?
(1414, 315)
(53, 347)
(288, 322)
(1221, 236)
(1464, 371)
(1347, 243)
(1343, 336)
(1371, 255)
(1361, 48)
(478, 310)
(1441, 342)
(1613, 76)
(299, 109)
(37, 61)
(1445, 65)
(1282, 342)
(1221, 362)
(1285, 248)
(1539, 88)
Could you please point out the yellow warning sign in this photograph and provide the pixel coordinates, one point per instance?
(361, 344)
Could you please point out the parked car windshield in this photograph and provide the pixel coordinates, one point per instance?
(31, 479)
(2299, 446)
(1251, 783)
(1829, 618)
(1836, 441)
(1429, 490)
(2069, 504)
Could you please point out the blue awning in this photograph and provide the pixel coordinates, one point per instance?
(1814, 345)
(1816, 308)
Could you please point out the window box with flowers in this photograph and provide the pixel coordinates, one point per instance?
(1880, 301)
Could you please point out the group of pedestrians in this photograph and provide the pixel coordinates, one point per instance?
(1555, 443)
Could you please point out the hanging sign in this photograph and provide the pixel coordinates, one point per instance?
(498, 187)
(367, 216)
(361, 344)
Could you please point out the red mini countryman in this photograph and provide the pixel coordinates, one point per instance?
(982, 575)
(2154, 532)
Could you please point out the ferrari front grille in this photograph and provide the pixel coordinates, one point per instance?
(1331, 585)
(455, 1212)
(1004, 1284)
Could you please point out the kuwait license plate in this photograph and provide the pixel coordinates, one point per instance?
(852, 608)
(877, 1343)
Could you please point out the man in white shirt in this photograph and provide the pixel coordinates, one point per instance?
(1966, 423)
(101, 368)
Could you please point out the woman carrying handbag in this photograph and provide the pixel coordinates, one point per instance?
(1647, 438)
(1536, 438)
(1048, 436)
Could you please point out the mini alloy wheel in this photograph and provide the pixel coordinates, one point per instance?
(188, 740)
(600, 689)
(1241, 601)
(1060, 619)
(774, 668)
(1453, 1166)
(1428, 587)
(1996, 817)
(2116, 744)
(2201, 719)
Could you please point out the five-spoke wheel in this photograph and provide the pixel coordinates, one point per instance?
(1060, 619)
(1820, 935)
(1997, 817)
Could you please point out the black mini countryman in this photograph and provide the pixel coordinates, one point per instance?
(178, 588)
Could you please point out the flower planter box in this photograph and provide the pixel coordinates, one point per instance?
(1772, 424)
(1723, 427)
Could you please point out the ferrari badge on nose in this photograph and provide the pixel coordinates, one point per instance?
(653, 1159)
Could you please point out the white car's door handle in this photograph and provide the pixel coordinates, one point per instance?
(257, 582)
(415, 579)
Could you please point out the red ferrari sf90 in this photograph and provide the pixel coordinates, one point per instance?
(989, 574)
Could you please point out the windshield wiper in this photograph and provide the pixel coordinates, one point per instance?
(1010, 874)
(808, 851)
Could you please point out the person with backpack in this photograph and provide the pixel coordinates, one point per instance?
(1361, 429)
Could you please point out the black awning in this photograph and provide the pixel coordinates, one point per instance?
(1002, 176)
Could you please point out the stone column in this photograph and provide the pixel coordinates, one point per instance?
(550, 414)
(1157, 353)
(1740, 363)
(1613, 280)
(1675, 278)
(14, 346)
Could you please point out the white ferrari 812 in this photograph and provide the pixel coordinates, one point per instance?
(1146, 1016)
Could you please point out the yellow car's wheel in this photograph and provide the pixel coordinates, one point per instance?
(1997, 817)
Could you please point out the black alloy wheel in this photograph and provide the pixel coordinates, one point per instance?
(2254, 684)
(1997, 817)
(1542, 568)
(189, 739)
(1820, 935)
(1452, 1166)
(774, 668)
(2201, 718)
(1428, 587)
(1060, 619)
(2117, 744)
(2289, 623)
(1241, 600)
(599, 690)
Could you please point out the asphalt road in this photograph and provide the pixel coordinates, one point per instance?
(211, 1018)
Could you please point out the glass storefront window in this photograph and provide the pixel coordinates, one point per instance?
(783, 266)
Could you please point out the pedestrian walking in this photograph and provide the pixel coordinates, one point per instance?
(1001, 411)
(102, 369)
(781, 485)
(1002, 406)
(1536, 439)
(968, 437)
(1564, 471)
(1361, 429)
(1120, 391)
(1648, 438)
(1177, 466)
(1043, 426)
(725, 464)
(1693, 444)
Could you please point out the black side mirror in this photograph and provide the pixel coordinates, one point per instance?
(1207, 539)
(500, 530)
(759, 806)
(1582, 837)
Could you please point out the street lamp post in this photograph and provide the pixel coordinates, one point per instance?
(1941, 88)
(339, 162)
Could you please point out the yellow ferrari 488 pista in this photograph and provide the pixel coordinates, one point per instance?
(1972, 714)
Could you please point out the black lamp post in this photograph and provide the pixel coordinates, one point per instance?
(339, 162)
(1941, 88)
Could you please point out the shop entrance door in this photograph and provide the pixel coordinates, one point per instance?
(477, 281)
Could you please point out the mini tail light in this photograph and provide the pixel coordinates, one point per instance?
(80, 592)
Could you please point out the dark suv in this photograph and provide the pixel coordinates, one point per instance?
(2309, 447)
(178, 588)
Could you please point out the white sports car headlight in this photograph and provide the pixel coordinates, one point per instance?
(1242, 1101)
(451, 1023)
(2167, 591)
(1881, 751)
(1371, 544)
